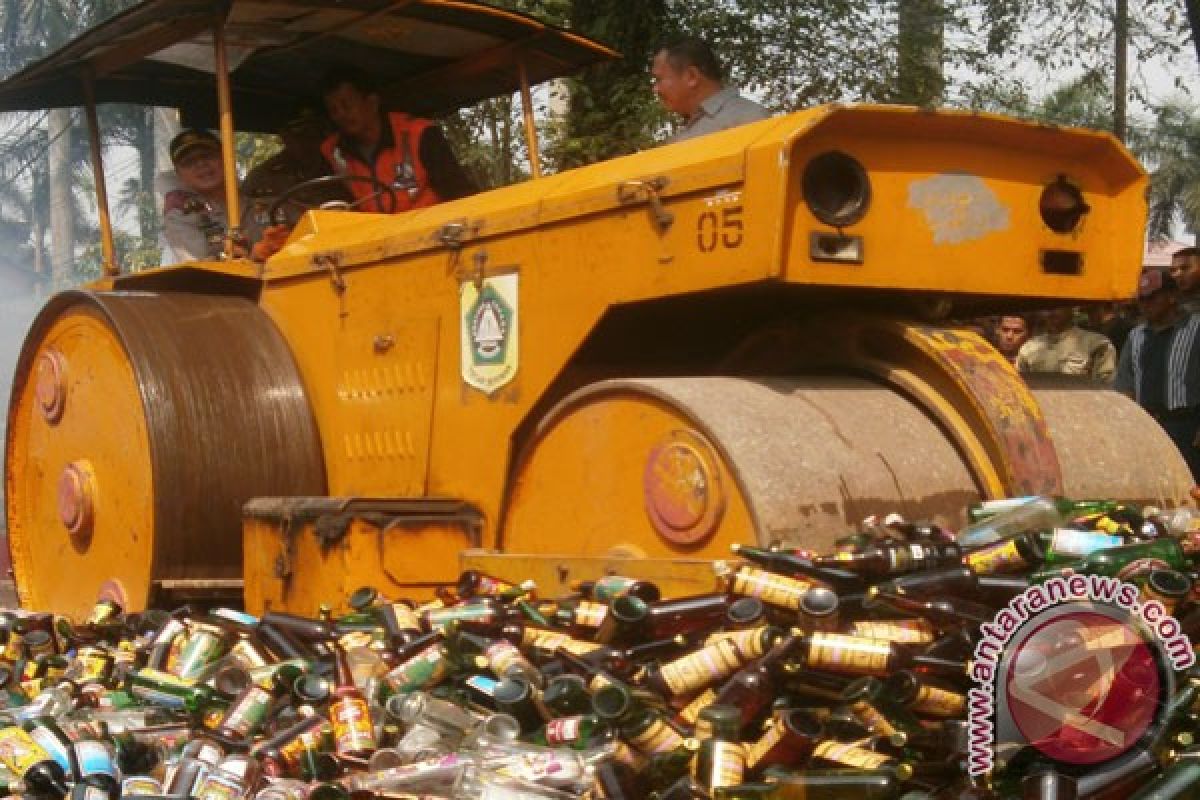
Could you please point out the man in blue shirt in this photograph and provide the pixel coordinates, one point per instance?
(1160, 364)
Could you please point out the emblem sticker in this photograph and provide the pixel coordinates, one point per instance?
(489, 332)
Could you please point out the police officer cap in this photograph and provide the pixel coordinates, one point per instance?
(1153, 281)
(190, 140)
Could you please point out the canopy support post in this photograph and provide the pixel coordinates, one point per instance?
(531, 139)
(107, 248)
(233, 214)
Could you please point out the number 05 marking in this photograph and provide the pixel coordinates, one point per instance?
(719, 229)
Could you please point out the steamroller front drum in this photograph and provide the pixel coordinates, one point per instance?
(139, 425)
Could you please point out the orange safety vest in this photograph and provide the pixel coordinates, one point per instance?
(398, 166)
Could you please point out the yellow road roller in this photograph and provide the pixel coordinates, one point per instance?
(628, 366)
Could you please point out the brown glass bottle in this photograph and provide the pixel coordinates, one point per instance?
(887, 560)
(353, 731)
(789, 738)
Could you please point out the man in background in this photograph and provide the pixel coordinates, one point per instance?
(690, 81)
(1185, 269)
(1160, 364)
(1067, 349)
(1011, 333)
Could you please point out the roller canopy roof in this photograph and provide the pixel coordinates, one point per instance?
(428, 56)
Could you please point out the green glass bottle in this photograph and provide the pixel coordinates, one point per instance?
(721, 760)
(580, 732)
(1180, 779)
(1064, 507)
(818, 784)
(1130, 561)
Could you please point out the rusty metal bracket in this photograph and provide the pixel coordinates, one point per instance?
(647, 191)
(332, 263)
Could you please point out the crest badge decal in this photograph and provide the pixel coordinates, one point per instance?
(489, 332)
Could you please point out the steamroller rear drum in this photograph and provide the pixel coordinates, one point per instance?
(200, 407)
(684, 467)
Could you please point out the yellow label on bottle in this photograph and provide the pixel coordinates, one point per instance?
(905, 631)
(999, 557)
(852, 655)
(775, 590)
(701, 668)
(589, 614)
(756, 751)
(870, 717)
(503, 655)
(546, 642)
(728, 764)
(691, 712)
(751, 643)
(352, 730)
(19, 751)
(658, 737)
(938, 702)
(850, 755)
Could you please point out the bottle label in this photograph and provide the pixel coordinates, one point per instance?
(201, 649)
(999, 557)
(96, 759)
(482, 684)
(701, 668)
(589, 614)
(691, 712)
(406, 618)
(611, 586)
(728, 764)
(1140, 568)
(51, 744)
(422, 670)
(658, 737)
(218, 787)
(1077, 544)
(486, 584)
(352, 731)
(870, 717)
(140, 784)
(546, 642)
(849, 654)
(19, 751)
(772, 589)
(751, 643)
(250, 712)
(624, 754)
(851, 755)
(503, 655)
(565, 730)
(756, 751)
(938, 702)
(905, 631)
(439, 619)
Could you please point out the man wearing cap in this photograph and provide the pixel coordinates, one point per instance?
(300, 160)
(1160, 364)
(194, 214)
(1067, 349)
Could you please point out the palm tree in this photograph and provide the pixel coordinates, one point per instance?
(1173, 153)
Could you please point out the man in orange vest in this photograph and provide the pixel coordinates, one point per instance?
(407, 154)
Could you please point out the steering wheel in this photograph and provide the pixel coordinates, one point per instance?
(293, 195)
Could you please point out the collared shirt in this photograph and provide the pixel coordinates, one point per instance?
(194, 228)
(1072, 352)
(1161, 369)
(725, 109)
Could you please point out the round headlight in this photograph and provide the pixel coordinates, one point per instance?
(836, 189)
(1061, 206)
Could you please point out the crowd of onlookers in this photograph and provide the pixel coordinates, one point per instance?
(1146, 349)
